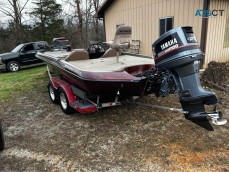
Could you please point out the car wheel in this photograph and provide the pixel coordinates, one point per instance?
(52, 93)
(13, 66)
(2, 141)
(64, 103)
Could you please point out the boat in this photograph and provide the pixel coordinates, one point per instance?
(87, 85)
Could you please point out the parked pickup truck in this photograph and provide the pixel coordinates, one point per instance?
(22, 55)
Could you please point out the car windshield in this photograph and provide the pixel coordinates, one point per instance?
(15, 50)
(62, 42)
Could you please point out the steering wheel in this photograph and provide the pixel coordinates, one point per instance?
(96, 48)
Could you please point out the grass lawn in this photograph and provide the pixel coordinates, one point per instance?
(16, 83)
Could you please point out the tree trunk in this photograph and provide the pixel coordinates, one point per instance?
(80, 20)
(17, 21)
(96, 22)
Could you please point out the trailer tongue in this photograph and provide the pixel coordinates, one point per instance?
(178, 51)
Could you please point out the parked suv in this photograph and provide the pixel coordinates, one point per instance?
(22, 55)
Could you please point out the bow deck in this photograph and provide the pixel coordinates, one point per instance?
(110, 64)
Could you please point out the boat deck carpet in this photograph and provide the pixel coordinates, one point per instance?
(110, 64)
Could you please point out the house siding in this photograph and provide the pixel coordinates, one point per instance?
(215, 50)
(144, 15)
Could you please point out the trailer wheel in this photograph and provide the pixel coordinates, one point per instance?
(2, 141)
(52, 93)
(64, 103)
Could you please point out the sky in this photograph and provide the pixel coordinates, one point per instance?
(26, 20)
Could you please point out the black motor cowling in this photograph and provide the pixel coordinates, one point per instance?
(178, 51)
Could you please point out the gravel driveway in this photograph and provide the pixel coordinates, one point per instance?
(39, 137)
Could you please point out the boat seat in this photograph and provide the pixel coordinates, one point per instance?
(110, 53)
(77, 54)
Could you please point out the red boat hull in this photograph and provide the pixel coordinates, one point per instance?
(107, 84)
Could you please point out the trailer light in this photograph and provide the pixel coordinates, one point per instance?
(87, 110)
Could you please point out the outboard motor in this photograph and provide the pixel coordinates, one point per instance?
(178, 51)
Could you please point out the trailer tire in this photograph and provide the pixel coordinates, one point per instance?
(2, 141)
(53, 93)
(64, 103)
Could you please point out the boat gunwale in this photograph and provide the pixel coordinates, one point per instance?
(50, 59)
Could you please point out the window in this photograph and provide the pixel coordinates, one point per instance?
(166, 24)
(28, 47)
(226, 34)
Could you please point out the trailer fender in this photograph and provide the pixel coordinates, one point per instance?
(59, 83)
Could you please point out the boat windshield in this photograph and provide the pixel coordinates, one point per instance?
(62, 42)
(17, 49)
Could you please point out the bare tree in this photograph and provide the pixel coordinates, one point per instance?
(96, 4)
(79, 16)
(87, 27)
(14, 10)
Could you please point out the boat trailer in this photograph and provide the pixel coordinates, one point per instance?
(77, 99)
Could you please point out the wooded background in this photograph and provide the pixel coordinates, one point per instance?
(47, 20)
